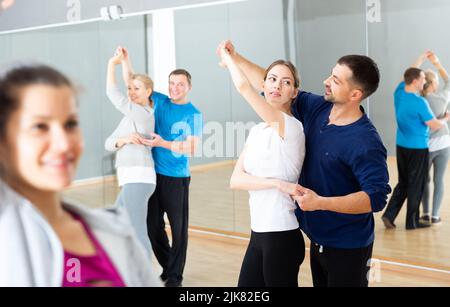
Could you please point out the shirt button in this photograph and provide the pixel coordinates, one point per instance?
(326, 154)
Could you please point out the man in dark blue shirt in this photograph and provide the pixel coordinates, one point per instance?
(344, 177)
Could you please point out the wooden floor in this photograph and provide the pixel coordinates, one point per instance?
(215, 261)
(214, 207)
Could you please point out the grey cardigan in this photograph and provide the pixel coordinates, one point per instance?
(439, 103)
(31, 255)
(138, 119)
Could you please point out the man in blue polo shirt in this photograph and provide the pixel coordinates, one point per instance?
(414, 120)
(178, 129)
(344, 177)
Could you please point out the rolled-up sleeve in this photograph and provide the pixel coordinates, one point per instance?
(370, 169)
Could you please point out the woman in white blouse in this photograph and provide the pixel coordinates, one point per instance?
(269, 168)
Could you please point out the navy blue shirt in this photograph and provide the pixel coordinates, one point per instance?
(340, 160)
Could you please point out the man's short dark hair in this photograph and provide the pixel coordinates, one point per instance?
(365, 72)
(183, 72)
(412, 74)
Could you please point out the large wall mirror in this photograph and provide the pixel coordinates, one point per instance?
(312, 34)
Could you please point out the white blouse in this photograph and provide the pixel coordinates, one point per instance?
(270, 156)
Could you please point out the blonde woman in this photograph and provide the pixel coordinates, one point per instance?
(134, 162)
(439, 140)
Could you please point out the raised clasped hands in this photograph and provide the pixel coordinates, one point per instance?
(432, 57)
(118, 56)
(225, 51)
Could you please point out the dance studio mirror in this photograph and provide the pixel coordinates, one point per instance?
(312, 34)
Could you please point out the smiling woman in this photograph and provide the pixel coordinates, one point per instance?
(134, 162)
(40, 146)
(39, 130)
(45, 139)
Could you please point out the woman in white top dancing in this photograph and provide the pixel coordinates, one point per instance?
(269, 168)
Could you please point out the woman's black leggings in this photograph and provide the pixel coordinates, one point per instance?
(273, 259)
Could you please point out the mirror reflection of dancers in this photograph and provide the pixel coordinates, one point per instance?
(178, 130)
(414, 121)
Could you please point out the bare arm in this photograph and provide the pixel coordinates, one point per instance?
(437, 63)
(270, 115)
(355, 203)
(419, 61)
(187, 147)
(241, 180)
(127, 68)
(436, 124)
(442, 71)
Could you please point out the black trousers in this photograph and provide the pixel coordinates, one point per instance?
(335, 267)
(412, 167)
(171, 197)
(273, 259)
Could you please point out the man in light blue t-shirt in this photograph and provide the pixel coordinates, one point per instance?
(414, 120)
(179, 123)
(412, 112)
(178, 128)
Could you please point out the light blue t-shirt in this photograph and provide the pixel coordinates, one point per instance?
(411, 111)
(174, 122)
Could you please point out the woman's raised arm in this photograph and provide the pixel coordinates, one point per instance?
(268, 114)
